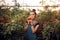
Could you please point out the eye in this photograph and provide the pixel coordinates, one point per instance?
(33, 14)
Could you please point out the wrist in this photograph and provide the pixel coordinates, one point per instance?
(32, 25)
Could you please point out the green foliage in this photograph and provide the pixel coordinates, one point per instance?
(47, 29)
(50, 24)
(15, 20)
(47, 15)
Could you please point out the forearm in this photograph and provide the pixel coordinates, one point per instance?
(34, 29)
(25, 28)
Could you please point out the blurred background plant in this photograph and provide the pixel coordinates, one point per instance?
(13, 21)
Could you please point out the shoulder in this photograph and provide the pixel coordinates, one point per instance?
(36, 23)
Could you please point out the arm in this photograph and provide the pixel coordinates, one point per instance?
(25, 28)
(34, 29)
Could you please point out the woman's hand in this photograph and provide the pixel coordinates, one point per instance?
(29, 19)
(32, 23)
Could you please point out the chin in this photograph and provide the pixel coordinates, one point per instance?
(32, 19)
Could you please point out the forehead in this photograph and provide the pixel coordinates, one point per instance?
(32, 13)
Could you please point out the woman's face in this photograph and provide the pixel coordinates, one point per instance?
(32, 15)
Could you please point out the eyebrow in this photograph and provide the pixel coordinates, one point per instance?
(31, 14)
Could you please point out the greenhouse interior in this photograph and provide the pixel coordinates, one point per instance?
(14, 14)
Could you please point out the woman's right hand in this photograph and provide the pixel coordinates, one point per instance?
(29, 20)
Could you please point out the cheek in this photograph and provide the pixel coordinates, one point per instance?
(33, 17)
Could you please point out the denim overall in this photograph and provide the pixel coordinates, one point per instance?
(28, 34)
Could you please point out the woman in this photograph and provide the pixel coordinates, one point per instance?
(31, 27)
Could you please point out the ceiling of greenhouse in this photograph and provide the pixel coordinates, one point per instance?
(30, 2)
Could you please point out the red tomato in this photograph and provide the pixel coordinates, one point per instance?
(28, 19)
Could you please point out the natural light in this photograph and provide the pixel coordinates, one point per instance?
(33, 2)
